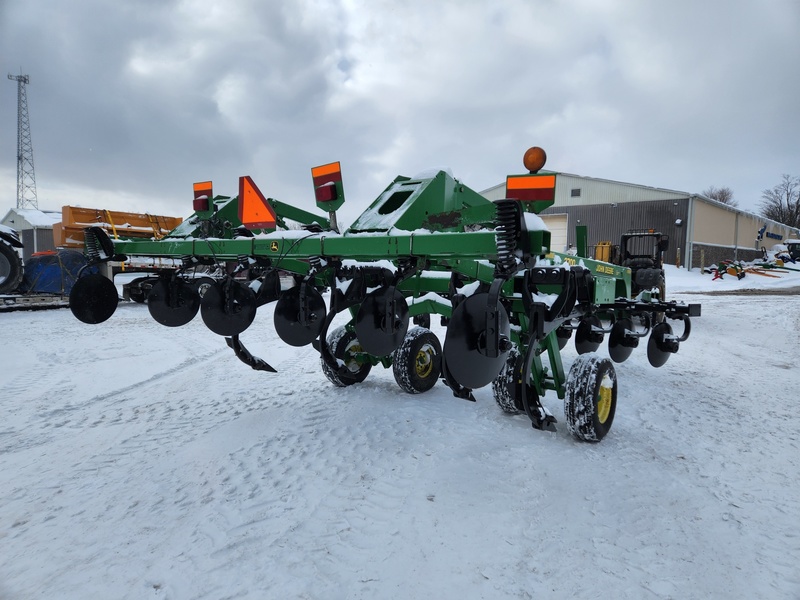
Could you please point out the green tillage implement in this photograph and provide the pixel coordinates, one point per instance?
(428, 245)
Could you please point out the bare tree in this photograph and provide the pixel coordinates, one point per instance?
(782, 203)
(723, 194)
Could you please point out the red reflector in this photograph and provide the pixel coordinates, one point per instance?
(325, 192)
(200, 204)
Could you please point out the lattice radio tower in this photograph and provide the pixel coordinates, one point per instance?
(26, 180)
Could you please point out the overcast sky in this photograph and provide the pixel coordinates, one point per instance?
(131, 101)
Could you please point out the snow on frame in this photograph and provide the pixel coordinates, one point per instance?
(140, 461)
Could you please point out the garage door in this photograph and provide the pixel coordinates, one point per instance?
(557, 224)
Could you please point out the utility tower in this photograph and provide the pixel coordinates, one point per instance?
(26, 180)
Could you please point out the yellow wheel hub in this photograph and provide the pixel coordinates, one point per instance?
(605, 397)
(424, 362)
(351, 362)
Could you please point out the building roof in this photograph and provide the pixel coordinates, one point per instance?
(32, 217)
(658, 191)
(628, 192)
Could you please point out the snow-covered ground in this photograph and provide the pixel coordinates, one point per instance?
(138, 461)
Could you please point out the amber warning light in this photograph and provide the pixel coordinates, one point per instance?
(534, 159)
(254, 210)
(537, 190)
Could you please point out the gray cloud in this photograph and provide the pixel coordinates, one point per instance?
(130, 102)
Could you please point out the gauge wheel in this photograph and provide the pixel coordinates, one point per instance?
(590, 400)
(507, 386)
(346, 349)
(417, 363)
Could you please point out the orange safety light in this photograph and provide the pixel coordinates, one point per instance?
(534, 159)
(203, 193)
(254, 210)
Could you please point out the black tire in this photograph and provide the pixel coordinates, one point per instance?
(417, 363)
(591, 397)
(507, 386)
(11, 269)
(343, 344)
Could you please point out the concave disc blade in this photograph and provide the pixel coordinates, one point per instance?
(619, 346)
(380, 330)
(93, 299)
(656, 355)
(463, 344)
(173, 303)
(228, 316)
(587, 340)
(289, 325)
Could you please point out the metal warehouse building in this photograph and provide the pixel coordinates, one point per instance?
(701, 231)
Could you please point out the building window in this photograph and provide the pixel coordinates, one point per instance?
(575, 193)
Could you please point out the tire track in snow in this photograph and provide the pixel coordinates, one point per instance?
(292, 482)
(96, 410)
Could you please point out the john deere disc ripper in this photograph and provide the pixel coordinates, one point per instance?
(426, 246)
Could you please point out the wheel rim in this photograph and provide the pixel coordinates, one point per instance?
(604, 399)
(203, 288)
(424, 361)
(350, 361)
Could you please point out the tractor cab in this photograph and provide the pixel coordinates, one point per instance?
(793, 247)
(641, 251)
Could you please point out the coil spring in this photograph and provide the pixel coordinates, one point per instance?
(315, 262)
(93, 249)
(506, 232)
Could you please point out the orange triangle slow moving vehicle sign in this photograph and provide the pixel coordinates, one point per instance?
(254, 210)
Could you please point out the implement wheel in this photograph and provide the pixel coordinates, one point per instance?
(417, 363)
(507, 386)
(345, 347)
(591, 397)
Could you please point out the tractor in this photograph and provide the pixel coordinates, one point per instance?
(641, 250)
(11, 268)
(428, 245)
(793, 248)
(42, 281)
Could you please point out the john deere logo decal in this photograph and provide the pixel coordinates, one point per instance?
(274, 246)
